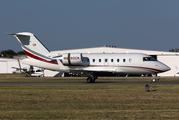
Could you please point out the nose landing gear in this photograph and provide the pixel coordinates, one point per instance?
(153, 81)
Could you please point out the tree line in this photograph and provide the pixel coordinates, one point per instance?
(174, 50)
(10, 53)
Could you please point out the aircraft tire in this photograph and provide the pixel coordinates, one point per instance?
(93, 80)
(153, 80)
(89, 80)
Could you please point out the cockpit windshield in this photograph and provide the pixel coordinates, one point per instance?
(149, 59)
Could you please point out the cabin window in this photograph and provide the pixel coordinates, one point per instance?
(99, 60)
(124, 60)
(93, 60)
(106, 60)
(117, 60)
(130, 60)
(112, 60)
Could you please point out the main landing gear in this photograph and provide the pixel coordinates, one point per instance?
(91, 79)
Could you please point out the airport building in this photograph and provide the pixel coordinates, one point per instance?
(9, 65)
(169, 58)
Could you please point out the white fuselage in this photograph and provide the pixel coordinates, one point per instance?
(127, 63)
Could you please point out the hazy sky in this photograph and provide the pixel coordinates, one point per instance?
(66, 24)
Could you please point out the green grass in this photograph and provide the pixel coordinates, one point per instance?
(89, 102)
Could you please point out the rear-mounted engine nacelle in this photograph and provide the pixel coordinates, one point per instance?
(71, 58)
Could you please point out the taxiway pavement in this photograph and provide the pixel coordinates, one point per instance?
(81, 83)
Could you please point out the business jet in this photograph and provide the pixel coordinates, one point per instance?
(87, 64)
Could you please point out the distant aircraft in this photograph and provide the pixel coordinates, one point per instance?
(87, 64)
(37, 73)
(29, 71)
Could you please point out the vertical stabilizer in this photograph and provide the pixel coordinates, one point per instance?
(38, 52)
(32, 46)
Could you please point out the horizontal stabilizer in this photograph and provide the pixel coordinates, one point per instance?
(10, 34)
(19, 34)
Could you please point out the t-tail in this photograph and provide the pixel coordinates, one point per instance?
(32, 46)
(37, 53)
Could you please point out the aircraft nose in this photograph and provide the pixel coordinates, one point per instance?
(166, 68)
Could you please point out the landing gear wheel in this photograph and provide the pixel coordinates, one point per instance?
(90, 79)
(93, 80)
(153, 80)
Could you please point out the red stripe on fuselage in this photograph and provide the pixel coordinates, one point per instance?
(145, 68)
(38, 58)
